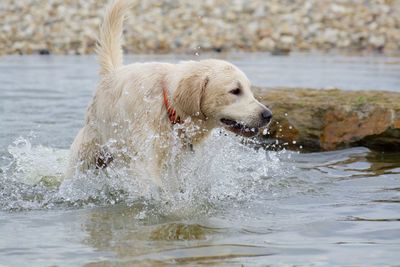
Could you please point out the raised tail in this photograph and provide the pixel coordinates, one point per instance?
(109, 47)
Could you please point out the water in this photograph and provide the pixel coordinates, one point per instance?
(236, 205)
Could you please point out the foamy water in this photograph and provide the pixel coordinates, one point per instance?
(222, 169)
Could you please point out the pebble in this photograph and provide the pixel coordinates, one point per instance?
(153, 26)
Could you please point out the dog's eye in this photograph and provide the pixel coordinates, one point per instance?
(235, 91)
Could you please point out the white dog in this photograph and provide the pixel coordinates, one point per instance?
(138, 108)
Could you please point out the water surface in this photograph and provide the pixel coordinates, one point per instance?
(236, 205)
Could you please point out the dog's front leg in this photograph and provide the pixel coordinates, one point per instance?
(84, 152)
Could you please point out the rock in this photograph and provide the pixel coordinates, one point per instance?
(338, 8)
(377, 41)
(330, 35)
(333, 119)
(266, 44)
(179, 231)
(287, 40)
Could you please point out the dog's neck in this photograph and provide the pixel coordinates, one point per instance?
(172, 116)
(194, 129)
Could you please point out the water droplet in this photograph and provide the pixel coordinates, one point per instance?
(265, 132)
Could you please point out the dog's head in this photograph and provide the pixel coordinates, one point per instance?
(217, 91)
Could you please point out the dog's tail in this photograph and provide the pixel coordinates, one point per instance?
(109, 47)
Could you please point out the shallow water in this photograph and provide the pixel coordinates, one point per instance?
(235, 205)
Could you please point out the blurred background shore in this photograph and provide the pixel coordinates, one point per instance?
(186, 26)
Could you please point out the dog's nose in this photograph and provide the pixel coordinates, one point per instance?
(266, 116)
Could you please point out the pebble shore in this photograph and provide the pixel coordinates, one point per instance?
(187, 26)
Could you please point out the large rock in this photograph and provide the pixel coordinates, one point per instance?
(333, 119)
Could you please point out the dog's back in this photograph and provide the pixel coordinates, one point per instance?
(127, 106)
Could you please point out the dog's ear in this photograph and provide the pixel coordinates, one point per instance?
(189, 93)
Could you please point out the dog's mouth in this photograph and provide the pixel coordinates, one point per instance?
(239, 128)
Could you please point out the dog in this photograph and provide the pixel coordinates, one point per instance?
(137, 109)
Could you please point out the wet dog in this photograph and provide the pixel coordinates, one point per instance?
(139, 108)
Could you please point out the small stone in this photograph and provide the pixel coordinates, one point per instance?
(377, 41)
(287, 39)
(330, 35)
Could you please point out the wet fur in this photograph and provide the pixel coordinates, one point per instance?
(128, 105)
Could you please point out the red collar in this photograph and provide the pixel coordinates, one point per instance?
(170, 110)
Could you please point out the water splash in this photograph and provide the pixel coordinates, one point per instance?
(30, 164)
(221, 169)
